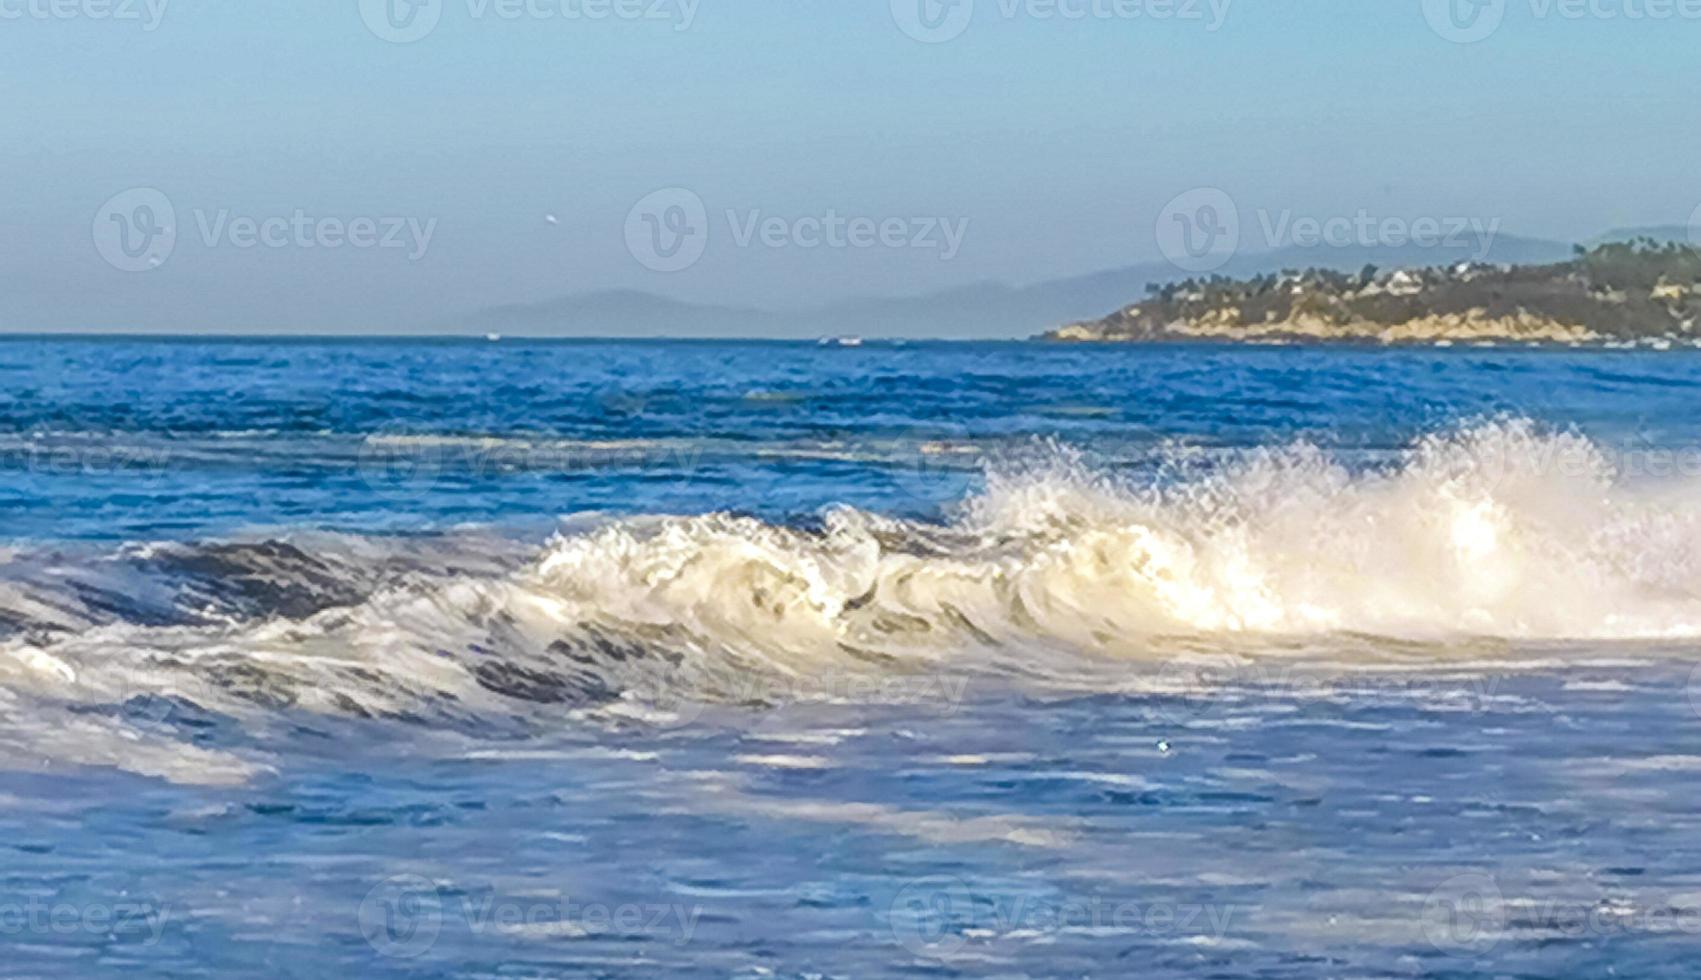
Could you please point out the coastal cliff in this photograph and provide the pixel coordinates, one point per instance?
(1637, 294)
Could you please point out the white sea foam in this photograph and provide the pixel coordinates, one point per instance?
(1496, 531)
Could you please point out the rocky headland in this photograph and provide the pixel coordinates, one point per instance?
(1633, 294)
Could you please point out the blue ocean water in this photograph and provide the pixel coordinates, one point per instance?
(461, 658)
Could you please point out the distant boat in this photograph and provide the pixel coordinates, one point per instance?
(493, 337)
(841, 341)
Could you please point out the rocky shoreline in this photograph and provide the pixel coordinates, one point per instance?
(1631, 295)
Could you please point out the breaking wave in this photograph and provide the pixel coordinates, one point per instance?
(1500, 530)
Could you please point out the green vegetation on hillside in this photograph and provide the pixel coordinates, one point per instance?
(1625, 291)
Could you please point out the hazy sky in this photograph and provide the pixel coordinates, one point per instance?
(394, 170)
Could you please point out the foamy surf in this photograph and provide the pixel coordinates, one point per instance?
(1497, 531)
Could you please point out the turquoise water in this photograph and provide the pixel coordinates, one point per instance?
(725, 659)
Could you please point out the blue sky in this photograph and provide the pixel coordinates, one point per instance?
(523, 143)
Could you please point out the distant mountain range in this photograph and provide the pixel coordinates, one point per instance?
(982, 310)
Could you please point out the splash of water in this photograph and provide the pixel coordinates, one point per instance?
(1498, 530)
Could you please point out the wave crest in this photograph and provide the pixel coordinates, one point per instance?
(1497, 530)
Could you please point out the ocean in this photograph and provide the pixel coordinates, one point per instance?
(534, 659)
